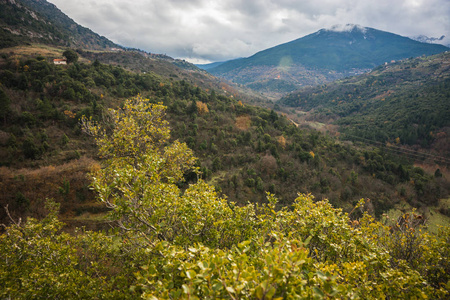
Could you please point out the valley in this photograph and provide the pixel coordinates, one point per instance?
(316, 169)
(269, 153)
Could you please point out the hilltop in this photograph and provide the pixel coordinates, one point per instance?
(321, 57)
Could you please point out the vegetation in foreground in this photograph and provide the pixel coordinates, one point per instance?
(174, 243)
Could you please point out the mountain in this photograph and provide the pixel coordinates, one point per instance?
(403, 103)
(38, 21)
(323, 56)
(26, 22)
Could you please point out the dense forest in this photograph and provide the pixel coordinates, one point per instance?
(243, 151)
(404, 103)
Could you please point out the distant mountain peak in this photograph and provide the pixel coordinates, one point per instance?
(328, 54)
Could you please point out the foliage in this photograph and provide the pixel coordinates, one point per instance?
(38, 261)
(409, 243)
(43, 22)
(229, 139)
(140, 174)
(202, 108)
(399, 103)
(5, 103)
(192, 244)
(281, 268)
(71, 56)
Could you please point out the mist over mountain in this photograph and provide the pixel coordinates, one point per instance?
(320, 57)
(430, 40)
(210, 65)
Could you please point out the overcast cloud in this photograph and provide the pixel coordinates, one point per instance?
(216, 30)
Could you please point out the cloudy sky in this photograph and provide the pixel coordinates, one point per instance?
(215, 30)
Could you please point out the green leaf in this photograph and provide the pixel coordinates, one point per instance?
(202, 265)
(190, 274)
(270, 292)
(217, 286)
(259, 292)
(186, 289)
(308, 239)
(318, 292)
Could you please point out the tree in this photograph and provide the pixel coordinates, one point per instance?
(139, 169)
(139, 178)
(4, 105)
(29, 148)
(202, 108)
(70, 55)
(438, 173)
(282, 141)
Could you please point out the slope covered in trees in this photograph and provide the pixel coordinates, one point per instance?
(407, 103)
(193, 244)
(38, 21)
(174, 232)
(243, 150)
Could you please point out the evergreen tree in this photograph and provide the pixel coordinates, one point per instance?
(5, 103)
(71, 56)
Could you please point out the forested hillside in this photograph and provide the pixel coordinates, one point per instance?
(243, 151)
(403, 103)
(38, 21)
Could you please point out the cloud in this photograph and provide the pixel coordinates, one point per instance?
(215, 30)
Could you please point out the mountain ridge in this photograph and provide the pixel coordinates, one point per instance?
(320, 57)
(38, 21)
